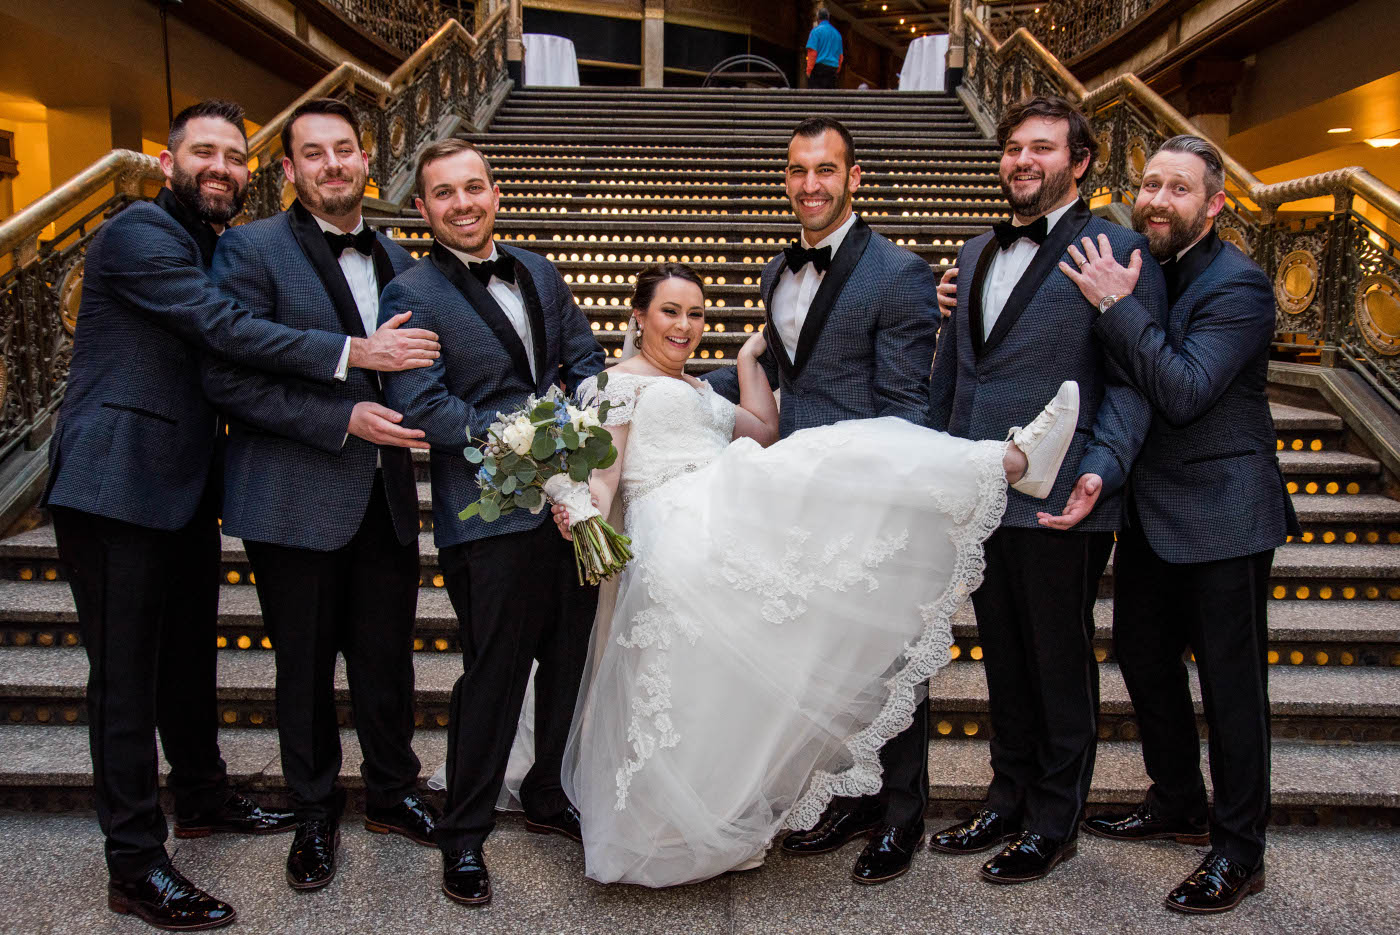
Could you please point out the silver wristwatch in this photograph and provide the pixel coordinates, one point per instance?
(1107, 301)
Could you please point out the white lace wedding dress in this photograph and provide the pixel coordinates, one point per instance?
(780, 621)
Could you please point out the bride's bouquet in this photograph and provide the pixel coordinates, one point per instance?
(545, 451)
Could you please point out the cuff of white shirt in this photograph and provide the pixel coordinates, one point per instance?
(342, 369)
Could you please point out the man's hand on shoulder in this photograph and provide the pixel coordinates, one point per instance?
(948, 291)
(1099, 273)
(380, 425)
(393, 348)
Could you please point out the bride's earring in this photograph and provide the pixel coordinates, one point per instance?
(637, 338)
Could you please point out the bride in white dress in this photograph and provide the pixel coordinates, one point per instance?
(785, 608)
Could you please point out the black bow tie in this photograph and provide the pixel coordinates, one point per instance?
(799, 256)
(363, 241)
(502, 267)
(1008, 233)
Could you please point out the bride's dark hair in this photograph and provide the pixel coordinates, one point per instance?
(654, 275)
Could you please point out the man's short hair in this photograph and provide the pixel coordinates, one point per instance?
(214, 107)
(441, 150)
(1080, 136)
(319, 105)
(1205, 151)
(814, 127)
(822, 15)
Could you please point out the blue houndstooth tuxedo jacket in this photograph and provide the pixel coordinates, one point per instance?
(1207, 483)
(292, 476)
(1043, 336)
(135, 435)
(483, 369)
(866, 344)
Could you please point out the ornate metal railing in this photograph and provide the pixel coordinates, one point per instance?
(454, 80)
(1067, 27)
(1336, 273)
(402, 24)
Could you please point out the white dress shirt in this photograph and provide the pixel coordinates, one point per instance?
(793, 294)
(364, 286)
(1007, 268)
(509, 297)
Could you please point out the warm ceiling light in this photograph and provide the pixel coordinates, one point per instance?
(911, 28)
(884, 6)
(1340, 130)
(901, 21)
(1383, 142)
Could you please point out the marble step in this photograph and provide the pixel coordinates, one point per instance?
(39, 758)
(41, 685)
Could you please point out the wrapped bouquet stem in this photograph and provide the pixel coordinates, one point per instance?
(543, 452)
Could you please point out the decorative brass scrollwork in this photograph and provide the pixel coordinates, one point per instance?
(1377, 313)
(70, 297)
(1295, 283)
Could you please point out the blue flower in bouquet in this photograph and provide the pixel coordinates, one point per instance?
(483, 479)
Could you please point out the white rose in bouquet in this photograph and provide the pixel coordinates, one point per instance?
(519, 436)
(583, 419)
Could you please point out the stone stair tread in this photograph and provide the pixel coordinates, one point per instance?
(1302, 773)
(1354, 508)
(1295, 417)
(247, 675)
(1327, 462)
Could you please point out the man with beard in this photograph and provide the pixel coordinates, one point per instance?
(1184, 575)
(133, 489)
(851, 326)
(1017, 331)
(510, 330)
(328, 511)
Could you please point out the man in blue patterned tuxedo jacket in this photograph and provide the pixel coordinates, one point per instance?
(1207, 506)
(851, 325)
(509, 329)
(322, 493)
(1020, 327)
(134, 487)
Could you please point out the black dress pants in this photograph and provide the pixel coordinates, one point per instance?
(360, 601)
(517, 599)
(822, 76)
(147, 602)
(1218, 610)
(1035, 620)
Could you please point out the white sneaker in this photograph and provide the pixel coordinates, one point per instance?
(1045, 441)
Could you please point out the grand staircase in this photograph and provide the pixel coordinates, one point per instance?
(603, 182)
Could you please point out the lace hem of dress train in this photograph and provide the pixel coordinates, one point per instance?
(975, 520)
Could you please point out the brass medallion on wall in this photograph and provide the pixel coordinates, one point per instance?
(1295, 283)
(1377, 313)
(1232, 235)
(70, 297)
(973, 54)
(423, 103)
(289, 194)
(1008, 88)
(1137, 160)
(1105, 139)
(445, 81)
(398, 135)
(368, 142)
(1027, 85)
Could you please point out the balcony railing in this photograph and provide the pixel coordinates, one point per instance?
(402, 24)
(1336, 274)
(1066, 27)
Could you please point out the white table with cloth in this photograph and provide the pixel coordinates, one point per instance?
(925, 64)
(550, 60)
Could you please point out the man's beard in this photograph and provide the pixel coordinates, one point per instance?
(334, 205)
(826, 218)
(1180, 233)
(210, 208)
(458, 240)
(1051, 193)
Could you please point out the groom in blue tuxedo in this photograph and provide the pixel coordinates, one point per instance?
(509, 329)
(851, 324)
(1019, 328)
(1186, 574)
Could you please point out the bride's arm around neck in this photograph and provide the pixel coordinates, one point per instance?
(757, 414)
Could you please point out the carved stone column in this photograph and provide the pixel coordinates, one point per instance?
(1209, 84)
(654, 44)
(957, 44)
(515, 46)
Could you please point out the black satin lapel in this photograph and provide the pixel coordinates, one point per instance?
(767, 286)
(480, 300)
(313, 243)
(538, 328)
(842, 265)
(974, 297)
(383, 266)
(1047, 258)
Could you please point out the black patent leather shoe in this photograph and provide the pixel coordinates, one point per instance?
(840, 824)
(889, 854)
(238, 815)
(983, 830)
(1218, 885)
(1029, 857)
(464, 877)
(165, 899)
(311, 861)
(414, 818)
(1142, 825)
(565, 823)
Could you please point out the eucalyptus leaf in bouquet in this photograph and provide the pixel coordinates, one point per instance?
(544, 451)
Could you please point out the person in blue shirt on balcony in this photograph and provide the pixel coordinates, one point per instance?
(824, 53)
